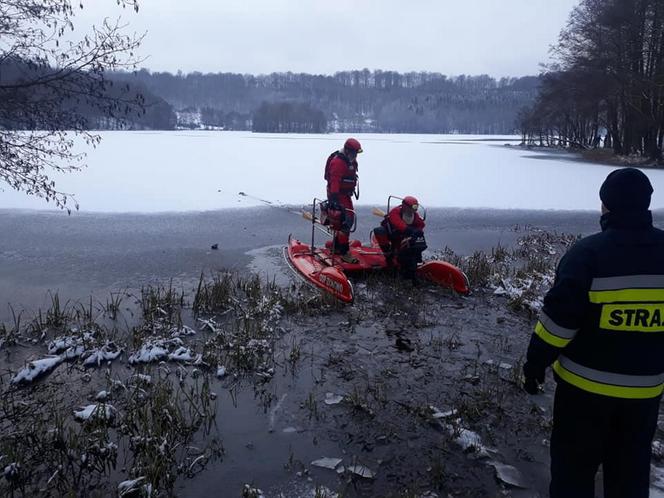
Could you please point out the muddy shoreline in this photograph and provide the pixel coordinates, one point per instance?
(413, 392)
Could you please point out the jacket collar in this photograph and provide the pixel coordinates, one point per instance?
(626, 220)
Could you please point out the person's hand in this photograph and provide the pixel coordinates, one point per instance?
(411, 231)
(334, 205)
(533, 377)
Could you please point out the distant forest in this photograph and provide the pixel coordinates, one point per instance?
(349, 101)
(29, 102)
(607, 89)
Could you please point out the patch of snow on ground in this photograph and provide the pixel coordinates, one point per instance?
(149, 352)
(101, 411)
(108, 352)
(181, 354)
(36, 369)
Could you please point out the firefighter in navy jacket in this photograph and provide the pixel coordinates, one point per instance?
(602, 329)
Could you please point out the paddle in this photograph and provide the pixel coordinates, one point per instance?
(378, 212)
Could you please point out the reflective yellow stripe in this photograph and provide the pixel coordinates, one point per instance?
(607, 389)
(549, 338)
(637, 317)
(626, 296)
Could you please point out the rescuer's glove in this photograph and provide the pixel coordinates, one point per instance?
(411, 232)
(533, 377)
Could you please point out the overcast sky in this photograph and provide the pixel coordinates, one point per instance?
(496, 37)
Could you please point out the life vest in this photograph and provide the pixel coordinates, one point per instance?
(348, 180)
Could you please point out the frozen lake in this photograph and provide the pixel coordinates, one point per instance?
(199, 171)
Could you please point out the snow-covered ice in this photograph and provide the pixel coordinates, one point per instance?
(184, 171)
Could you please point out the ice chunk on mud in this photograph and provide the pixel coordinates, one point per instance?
(509, 475)
(274, 411)
(333, 399)
(361, 471)
(101, 411)
(11, 471)
(468, 440)
(437, 414)
(251, 492)
(327, 463)
(36, 369)
(127, 488)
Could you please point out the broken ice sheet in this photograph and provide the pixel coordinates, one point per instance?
(509, 475)
(327, 463)
(333, 399)
(362, 471)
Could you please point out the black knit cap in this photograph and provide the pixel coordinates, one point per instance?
(626, 189)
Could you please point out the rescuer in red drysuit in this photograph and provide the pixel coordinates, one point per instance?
(342, 181)
(401, 235)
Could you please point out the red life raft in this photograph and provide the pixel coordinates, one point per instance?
(320, 267)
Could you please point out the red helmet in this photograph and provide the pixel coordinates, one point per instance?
(354, 145)
(411, 202)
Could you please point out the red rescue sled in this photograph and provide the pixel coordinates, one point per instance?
(318, 266)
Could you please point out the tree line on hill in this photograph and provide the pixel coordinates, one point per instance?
(378, 101)
(607, 86)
